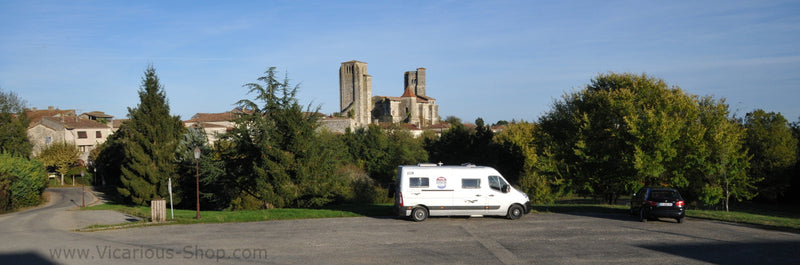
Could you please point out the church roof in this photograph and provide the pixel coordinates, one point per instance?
(408, 93)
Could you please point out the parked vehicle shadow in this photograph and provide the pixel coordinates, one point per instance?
(733, 252)
(24, 258)
(595, 211)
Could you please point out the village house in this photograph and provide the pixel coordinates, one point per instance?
(54, 125)
(214, 124)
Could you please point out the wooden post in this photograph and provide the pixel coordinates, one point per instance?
(158, 210)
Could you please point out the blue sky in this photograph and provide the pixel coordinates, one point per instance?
(499, 60)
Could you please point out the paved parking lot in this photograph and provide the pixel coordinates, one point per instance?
(535, 239)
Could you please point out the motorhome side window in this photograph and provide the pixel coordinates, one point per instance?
(470, 183)
(418, 182)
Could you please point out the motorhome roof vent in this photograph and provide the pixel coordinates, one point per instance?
(427, 165)
(468, 165)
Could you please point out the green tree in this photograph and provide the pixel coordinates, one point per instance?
(774, 150)
(460, 144)
(108, 158)
(61, 155)
(150, 140)
(275, 156)
(725, 157)
(519, 158)
(13, 126)
(213, 193)
(22, 182)
(794, 192)
(380, 151)
(620, 132)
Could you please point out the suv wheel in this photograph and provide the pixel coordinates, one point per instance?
(643, 215)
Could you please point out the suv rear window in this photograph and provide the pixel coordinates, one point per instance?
(664, 195)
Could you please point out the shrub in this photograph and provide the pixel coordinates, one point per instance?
(22, 182)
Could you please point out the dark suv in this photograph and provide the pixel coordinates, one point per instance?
(658, 202)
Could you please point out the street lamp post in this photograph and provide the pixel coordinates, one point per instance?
(83, 188)
(197, 177)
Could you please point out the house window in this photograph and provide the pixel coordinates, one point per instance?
(418, 182)
(48, 140)
(98, 134)
(82, 135)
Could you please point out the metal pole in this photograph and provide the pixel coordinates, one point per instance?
(197, 182)
(197, 177)
(170, 198)
(83, 187)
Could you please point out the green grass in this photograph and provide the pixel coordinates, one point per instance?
(769, 216)
(189, 216)
(773, 217)
(790, 224)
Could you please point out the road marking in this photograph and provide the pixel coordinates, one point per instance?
(498, 250)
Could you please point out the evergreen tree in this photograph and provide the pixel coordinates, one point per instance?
(213, 193)
(275, 157)
(151, 137)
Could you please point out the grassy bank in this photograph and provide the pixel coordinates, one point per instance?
(769, 217)
(189, 216)
(774, 217)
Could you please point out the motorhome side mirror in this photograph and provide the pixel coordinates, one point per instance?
(506, 188)
(391, 190)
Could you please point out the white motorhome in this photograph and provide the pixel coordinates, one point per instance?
(435, 190)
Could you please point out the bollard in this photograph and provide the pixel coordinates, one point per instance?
(158, 210)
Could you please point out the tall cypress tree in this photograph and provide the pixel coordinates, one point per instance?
(151, 137)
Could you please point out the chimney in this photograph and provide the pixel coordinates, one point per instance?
(50, 107)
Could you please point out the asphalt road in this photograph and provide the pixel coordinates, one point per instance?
(44, 236)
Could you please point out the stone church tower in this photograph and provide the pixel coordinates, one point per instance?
(355, 92)
(413, 107)
(358, 108)
(416, 80)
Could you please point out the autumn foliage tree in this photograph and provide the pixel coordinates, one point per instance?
(61, 155)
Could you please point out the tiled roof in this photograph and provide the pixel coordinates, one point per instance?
(116, 123)
(76, 123)
(36, 115)
(213, 117)
(98, 114)
(408, 93)
(208, 125)
(438, 126)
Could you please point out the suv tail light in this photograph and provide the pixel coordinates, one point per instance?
(680, 203)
